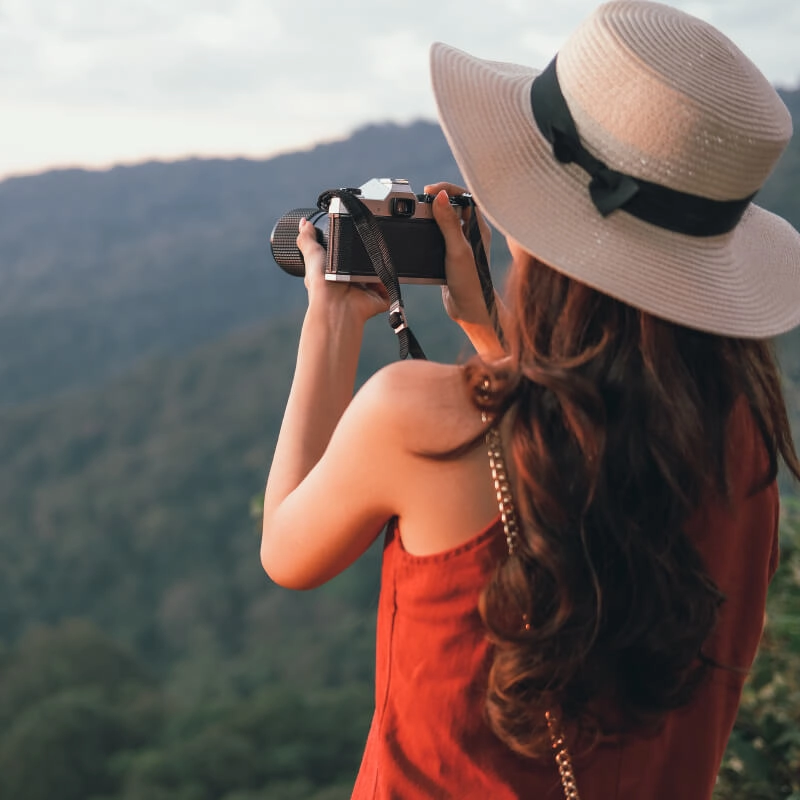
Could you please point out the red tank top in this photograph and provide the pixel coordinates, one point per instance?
(429, 738)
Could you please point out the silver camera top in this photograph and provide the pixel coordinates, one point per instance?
(394, 197)
(382, 188)
(386, 197)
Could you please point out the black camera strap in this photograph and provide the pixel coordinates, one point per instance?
(375, 245)
(482, 265)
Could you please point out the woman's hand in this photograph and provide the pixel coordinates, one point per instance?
(361, 299)
(462, 295)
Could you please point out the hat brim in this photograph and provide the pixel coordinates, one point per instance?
(745, 283)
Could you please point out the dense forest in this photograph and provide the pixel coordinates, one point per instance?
(148, 342)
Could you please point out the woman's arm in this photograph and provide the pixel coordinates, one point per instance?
(322, 389)
(345, 465)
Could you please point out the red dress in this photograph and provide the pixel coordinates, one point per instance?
(428, 737)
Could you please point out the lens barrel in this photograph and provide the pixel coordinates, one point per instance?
(283, 239)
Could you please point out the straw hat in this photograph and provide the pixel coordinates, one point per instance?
(677, 129)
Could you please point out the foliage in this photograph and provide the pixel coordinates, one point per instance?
(105, 730)
(129, 505)
(70, 700)
(762, 761)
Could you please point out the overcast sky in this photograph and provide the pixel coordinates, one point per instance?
(98, 82)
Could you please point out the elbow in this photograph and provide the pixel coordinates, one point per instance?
(267, 565)
(282, 572)
(271, 562)
(272, 565)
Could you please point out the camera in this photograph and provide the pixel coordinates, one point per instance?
(405, 220)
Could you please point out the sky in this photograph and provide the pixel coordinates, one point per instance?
(94, 83)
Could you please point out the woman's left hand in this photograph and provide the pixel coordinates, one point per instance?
(462, 295)
(364, 300)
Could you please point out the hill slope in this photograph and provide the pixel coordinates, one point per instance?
(99, 269)
(130, 503)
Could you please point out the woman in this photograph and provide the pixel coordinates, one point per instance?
(637, 402)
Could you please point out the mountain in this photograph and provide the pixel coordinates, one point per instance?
(130, 504)
(150, 293)
(792, 99)
(780, 192)
(147, 342)
(101, 269)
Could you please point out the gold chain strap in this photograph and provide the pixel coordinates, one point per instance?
(563, 761)
(511, 529)
(502, 487)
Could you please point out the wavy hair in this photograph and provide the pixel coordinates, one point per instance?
(618, 433)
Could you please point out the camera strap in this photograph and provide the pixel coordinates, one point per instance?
(482, 265)
(375, 245)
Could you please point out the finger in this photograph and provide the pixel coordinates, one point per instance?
(312, 251)
(445, 215)
(451, 188)
(307, 238)
(450, 224)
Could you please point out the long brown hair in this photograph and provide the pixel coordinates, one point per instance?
(618, 434)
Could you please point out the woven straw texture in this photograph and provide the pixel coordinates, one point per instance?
(659, 95)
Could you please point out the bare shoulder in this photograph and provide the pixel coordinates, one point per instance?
(425, 402)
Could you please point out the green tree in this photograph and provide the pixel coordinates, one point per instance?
(60, 748)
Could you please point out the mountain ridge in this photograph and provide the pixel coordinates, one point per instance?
(99, 269)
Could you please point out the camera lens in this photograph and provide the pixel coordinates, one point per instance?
(403, 206)
(283, 239)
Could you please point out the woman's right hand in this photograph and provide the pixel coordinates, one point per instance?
(462, 295)
(362, 300)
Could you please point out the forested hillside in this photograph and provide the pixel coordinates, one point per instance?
(152, 343)
(146, 347)
(792, 99)
(131, 504)
(100, 269)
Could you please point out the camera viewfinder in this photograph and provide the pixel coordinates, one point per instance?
(403, 206)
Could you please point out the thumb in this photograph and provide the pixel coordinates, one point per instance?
(449, 222)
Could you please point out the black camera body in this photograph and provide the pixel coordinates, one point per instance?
(405, 220)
